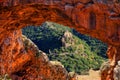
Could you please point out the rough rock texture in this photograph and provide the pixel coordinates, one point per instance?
(67, 39)
(116, 73)
(98, 18)
(21, 59)
(106, 71)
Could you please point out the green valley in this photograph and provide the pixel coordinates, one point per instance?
(77, 52)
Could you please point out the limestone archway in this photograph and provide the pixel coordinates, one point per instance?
(76, 14)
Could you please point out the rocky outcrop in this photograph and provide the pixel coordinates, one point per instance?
(106, 71)
(72, 76)
(116, 73)
(67, 39)
(98, 18)
(21, 59)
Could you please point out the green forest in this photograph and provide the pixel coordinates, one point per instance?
(77, 52)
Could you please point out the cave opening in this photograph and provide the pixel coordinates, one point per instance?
(77, 52)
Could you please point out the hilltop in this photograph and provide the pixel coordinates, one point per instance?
(77, 52)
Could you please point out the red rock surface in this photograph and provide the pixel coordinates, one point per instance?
(98, 18)
(21, 59)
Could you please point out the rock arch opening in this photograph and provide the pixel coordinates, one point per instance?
(16, 17)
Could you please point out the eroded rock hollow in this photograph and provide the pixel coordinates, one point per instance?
(98, 18)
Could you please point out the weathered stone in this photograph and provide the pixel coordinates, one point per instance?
(68, 9)
(32, 61)
(99, 19)
(116, 73)
(67, 39)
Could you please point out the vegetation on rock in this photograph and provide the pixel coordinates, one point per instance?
(77, 52)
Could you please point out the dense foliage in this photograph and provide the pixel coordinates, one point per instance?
(96, 45)
(86, 53)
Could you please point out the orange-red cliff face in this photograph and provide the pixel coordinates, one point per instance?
(98, 18)
(21, 59)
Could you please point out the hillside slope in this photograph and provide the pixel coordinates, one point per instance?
(75, 51)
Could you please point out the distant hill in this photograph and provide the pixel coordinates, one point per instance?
(77, 52)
